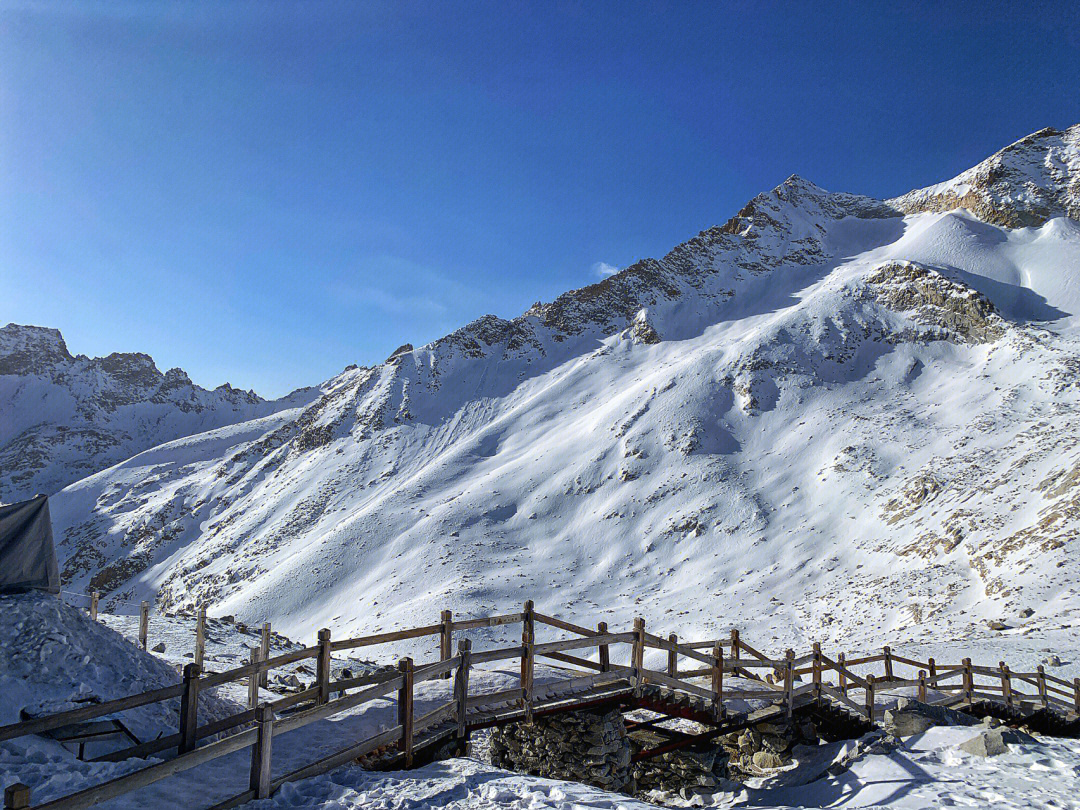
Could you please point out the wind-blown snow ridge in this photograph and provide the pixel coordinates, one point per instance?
(824, 418)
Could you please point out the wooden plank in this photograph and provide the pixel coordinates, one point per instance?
(461, 687)
(605, 657)
(259, 780)
(311, 693)
(490, 621)
(300, 719)
(580, 643)
(352, 683)
(559, 623)
(149, 775)
(840, 698)
(343, 757)
(405, 710)
(909, 661)
(430, 672)
(189, 709)
(322, 666)
(504, 696)
(573, 660)
(662, 679)
(41, 724)
(673, 646)
(497, 655)
(866, 659)
(385, 638)
(434, 717)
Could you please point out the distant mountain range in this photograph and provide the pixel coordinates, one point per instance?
(829, 417)
(66, 417)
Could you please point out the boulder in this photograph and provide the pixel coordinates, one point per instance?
(912, 717)
(767, 761)
(158, 648)
(993, 742)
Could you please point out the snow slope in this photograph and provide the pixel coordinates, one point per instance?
(830, 418)
(65, 417)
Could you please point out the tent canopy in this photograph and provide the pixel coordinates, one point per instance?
(27, 556)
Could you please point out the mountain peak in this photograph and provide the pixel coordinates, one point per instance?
(1028, 182)
(25, 346)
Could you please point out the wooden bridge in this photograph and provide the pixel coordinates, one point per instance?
(724, 684)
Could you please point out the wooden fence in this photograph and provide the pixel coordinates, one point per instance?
(772, 680)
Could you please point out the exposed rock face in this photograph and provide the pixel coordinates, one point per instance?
(582, 746)
(66, 417)
(1024, 184)
(956, 311)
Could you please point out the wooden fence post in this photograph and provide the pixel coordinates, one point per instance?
(200, 635)
(816, 671)
(144, 623)
(968, 680)
(405, 710)
(1076, 695)
(94, 596)
(1006, 684)
(528, 645)
(17, 797)
(1041, 678)
(922, 686)
(888, 663)
(461, 692)
(189, 709)
(637, 654)
(260, 752)
(841, 676)
(264, 649)
(735, 652)
(323, 666)
(789, 683)
(869, 697)
(673, 658)
(930, 665)
(605, 651)
(446, 638)
(718, 680)
(253, 680)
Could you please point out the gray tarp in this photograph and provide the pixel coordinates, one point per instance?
(27, 556)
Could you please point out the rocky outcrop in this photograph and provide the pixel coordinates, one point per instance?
(953, 310)
(911, 717)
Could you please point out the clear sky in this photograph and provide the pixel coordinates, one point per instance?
(265, 192)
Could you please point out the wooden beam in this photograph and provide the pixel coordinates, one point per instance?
(405, 710)
(261, 752)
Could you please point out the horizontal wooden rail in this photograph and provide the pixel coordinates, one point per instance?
(579, 643)
(656, 642)
(497, 655)
(385, 638)
(571, 659)
(490, 621)
(52, 721)
(567, 626)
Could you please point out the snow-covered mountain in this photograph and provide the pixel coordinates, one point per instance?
(831, 417)
(65, 417)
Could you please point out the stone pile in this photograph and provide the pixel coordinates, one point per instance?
(589, 747)
(686, 771)
(765, 747)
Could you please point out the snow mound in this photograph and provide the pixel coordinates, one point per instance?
(56, 659)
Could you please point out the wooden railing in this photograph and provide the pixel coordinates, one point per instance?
(773, 679)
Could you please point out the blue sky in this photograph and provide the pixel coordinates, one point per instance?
(266, 192)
